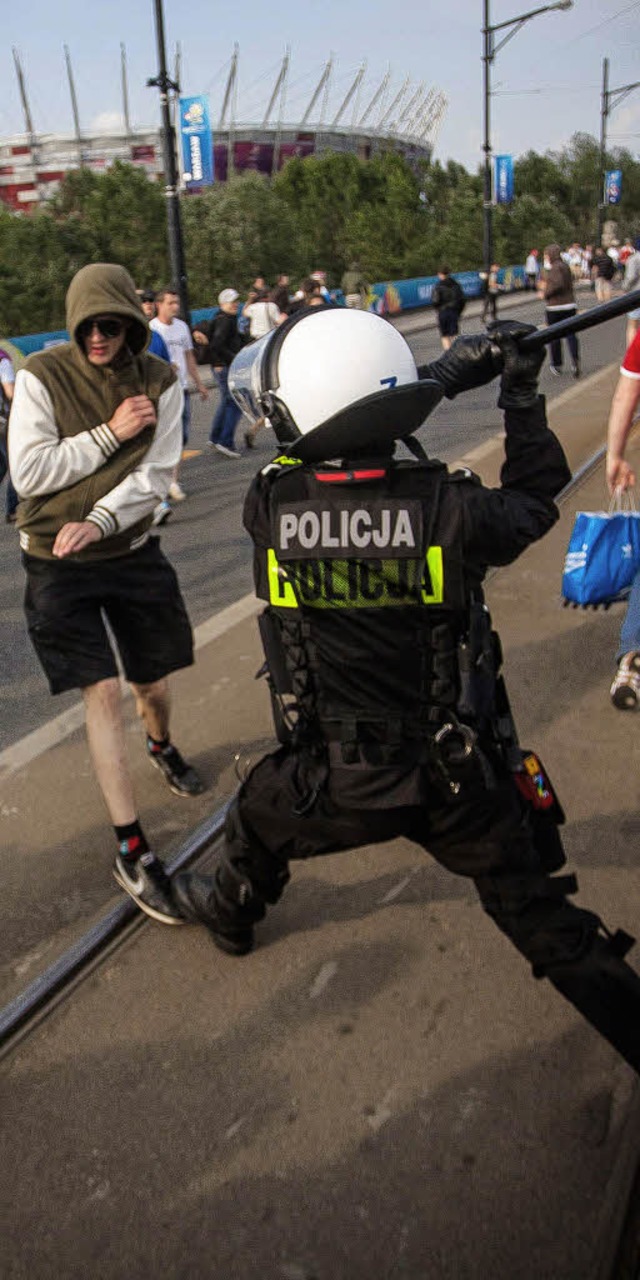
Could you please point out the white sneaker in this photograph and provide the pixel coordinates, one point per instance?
(176, 492)
(625, 690)
(229, 453)
(162, 513)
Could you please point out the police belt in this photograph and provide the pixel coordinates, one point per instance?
(393, 737)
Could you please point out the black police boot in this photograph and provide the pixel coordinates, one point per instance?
(224, 902)
(606, 991)
(573, 949)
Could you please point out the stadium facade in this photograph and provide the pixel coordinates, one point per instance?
(33, 164)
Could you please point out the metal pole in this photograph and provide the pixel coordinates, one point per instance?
(586, 320)
(604, 112)
(487, 211)
(174, 225)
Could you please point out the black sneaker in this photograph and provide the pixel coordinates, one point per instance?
(199, 901)
(249, 439)
(575, 371)
(182, 777)
(147, 882)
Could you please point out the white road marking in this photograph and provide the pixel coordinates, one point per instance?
(327, 972)
(383, 1111)
(397, 889)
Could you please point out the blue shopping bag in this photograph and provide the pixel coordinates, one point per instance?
(602, 558)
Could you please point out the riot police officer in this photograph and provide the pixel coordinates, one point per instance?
(391, 709)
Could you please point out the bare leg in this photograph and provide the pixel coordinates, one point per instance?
(632, 329)
(153, 706)
(107, 744)
(446, 343)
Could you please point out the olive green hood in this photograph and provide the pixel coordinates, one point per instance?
(103, 288)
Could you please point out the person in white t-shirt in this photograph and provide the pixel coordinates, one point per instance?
(177, 337)
(262, 315)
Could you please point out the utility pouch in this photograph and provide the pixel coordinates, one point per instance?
(477, 667)
(534, 785)
(284, 706)
(274, 652)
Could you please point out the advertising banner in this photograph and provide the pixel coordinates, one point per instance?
(613, 186)
(197, 143)
(504, 179)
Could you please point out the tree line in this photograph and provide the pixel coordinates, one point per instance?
(325, 211)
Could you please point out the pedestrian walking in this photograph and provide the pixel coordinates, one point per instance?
(448, 300)
(177, 338)
(262, 316)
(95, 433)
(556, 289)
(493, 288)
(531, 269)
(603, 269)
(223, 341)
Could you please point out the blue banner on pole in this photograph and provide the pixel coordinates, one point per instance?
(504, 179)
(197, 143)
(613, 186)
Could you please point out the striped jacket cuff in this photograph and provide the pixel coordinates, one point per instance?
(104, 519)
(105, 439)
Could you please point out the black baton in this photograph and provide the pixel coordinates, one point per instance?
(596, 315)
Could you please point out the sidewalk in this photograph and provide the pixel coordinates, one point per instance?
(381, 1089)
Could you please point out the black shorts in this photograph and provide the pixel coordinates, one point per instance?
(448, 322)
(66, 606)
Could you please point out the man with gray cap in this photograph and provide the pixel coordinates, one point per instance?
(224, 341)
(95, 434)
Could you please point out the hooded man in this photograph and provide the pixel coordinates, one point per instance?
(95, 434)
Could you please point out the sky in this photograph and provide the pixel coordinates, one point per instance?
(546, 82)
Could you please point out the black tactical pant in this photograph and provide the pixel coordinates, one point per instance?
(486, 833)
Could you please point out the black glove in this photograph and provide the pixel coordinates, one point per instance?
(469, 362)
(519, 381)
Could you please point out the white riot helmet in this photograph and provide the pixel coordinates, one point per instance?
(332, 381)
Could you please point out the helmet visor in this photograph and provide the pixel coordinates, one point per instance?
(245, 381)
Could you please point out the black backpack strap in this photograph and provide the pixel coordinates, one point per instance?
(415, 448)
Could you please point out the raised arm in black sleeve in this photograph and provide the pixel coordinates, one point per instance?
(500, 523)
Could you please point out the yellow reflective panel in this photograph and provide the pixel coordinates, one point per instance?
(435, 573)
(281, 592)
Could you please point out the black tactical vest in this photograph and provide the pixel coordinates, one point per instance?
(364, 570)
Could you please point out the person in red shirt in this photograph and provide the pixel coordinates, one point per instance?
(625, 690)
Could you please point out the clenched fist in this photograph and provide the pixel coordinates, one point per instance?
(131, 417)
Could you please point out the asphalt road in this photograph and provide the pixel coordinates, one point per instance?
(205, 538)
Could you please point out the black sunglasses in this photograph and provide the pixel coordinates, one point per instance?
(108, 326)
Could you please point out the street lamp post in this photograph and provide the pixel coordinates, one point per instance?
(610, 98)
(174, 225)
(490, 49)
